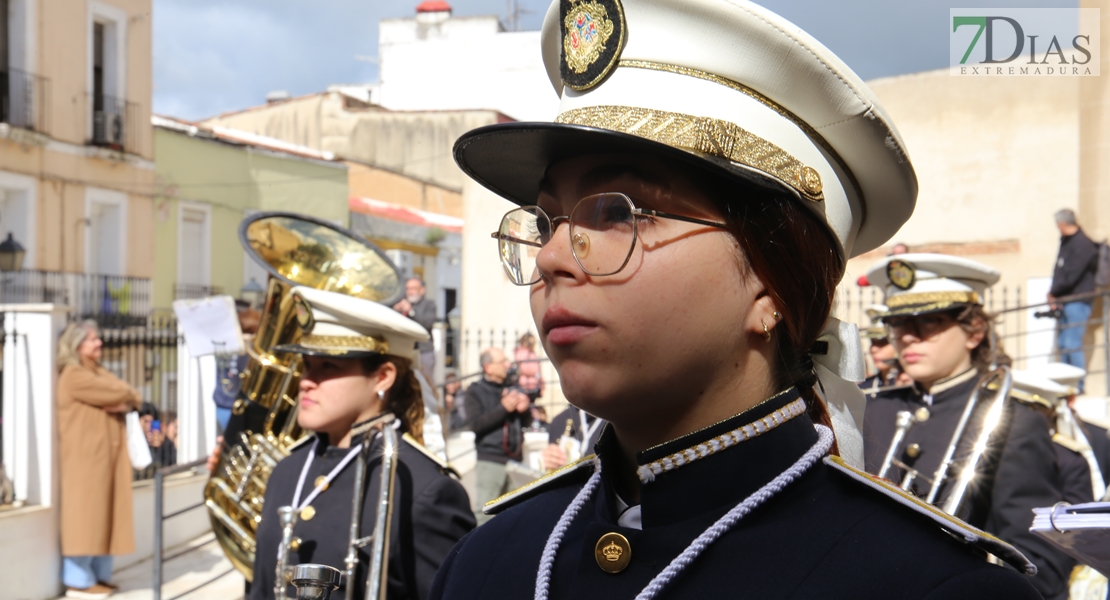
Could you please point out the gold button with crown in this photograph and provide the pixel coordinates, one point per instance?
(613, 552)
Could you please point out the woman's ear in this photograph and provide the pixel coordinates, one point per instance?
(763, 316)
(384, 377)
(975, 338)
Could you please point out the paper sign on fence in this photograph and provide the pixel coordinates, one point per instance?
(210, 325)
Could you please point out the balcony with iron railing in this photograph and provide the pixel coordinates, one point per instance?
(113, 300)
(116, 124)
(24, 100)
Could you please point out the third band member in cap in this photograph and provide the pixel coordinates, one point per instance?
(358, 362)
(684, 224)
(943, 337)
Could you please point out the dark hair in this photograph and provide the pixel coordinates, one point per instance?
(404, 399)
(799, 261)
(974, 319)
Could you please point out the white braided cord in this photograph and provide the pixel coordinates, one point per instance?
(707, 537)
(547, 560)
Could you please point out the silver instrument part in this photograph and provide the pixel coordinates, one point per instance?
(902, 423)
(315, 582)
(287, 516)
(967, 470)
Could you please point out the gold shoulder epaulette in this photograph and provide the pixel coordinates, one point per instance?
(1069, 442)
(584, 465)
(421, 448)
(1038, 402)
(957, 528)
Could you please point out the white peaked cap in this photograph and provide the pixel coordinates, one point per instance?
(345, 326)
(724, 86)
(922, 283)
(1063, 374)
(1038, 386)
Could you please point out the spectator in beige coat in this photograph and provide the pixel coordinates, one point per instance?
(96, 515)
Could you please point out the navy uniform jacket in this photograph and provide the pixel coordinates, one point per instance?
(1075, 474)
(826, 535)
(1020, 471)
(431, 513)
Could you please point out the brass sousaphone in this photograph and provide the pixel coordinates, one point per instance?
(296, 250)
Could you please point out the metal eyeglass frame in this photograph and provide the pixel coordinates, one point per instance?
(637, 214)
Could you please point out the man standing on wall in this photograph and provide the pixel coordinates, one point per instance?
(1074, 274)
(422, 310)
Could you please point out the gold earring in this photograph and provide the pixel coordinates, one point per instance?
(766, 331)
(777, 315)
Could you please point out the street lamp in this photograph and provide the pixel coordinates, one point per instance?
(252, 292)
(11, 254)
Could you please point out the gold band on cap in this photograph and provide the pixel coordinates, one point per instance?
(936, 298)
(758, 97)
(328, 342)
(705, 135)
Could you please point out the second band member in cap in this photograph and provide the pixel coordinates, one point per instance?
(683, 226)
(943, 336)
(358, 360)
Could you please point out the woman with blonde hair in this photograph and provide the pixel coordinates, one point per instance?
(96, 514)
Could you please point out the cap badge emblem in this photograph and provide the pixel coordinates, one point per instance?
(303, 313)
(593, 35)
(901, 274)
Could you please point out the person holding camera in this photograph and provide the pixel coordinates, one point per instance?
(497, 412)
(1073, 274)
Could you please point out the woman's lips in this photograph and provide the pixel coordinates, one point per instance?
(563, 327)
(911, 357)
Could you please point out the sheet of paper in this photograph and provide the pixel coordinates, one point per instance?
(210, 325)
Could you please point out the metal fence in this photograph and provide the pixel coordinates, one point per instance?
(115, 299)
(160, 518)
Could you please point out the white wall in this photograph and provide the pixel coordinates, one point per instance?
(30, 547)
(473, 66)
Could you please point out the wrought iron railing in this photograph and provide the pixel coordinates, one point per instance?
(25, 100)
(116, 123)
(113, 300)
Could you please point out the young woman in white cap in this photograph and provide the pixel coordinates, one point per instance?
(942, 333)
(684, 224)
(358, 368)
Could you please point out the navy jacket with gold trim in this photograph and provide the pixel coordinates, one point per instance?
(1019, 470)
(829, 534)
(431, 512)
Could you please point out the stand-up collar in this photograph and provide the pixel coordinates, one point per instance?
(717, 481)
(947, 384)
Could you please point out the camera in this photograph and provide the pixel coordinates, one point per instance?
(512, 380)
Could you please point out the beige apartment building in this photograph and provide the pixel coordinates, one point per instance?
(76, 152)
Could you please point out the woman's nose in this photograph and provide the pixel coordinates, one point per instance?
(555, 258)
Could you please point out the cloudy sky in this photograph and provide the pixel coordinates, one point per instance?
(212, 56)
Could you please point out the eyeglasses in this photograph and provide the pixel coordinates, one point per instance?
(603, 231)
(922, 327)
